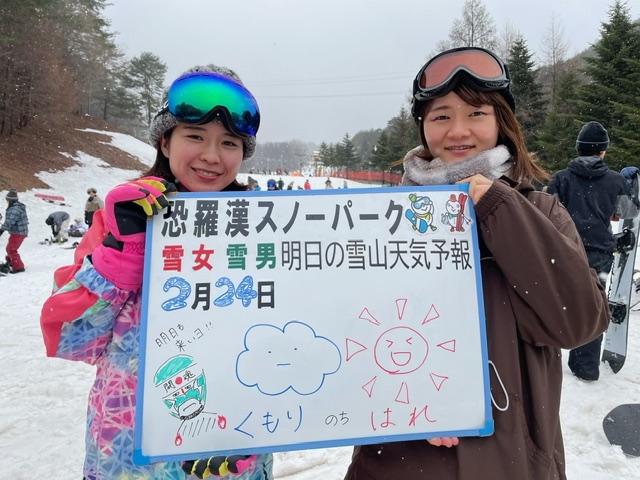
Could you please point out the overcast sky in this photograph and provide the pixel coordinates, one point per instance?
(323, 68)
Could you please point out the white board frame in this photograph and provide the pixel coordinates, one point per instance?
(340, 313)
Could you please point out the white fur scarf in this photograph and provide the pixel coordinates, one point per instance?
(491, 163)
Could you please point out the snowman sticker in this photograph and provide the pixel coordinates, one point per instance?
(454, 216)
(421, 215)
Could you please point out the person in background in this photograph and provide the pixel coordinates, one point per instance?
(593, 194)
(16, 223)
(280, 184)
(253, 184)
(328, 184)
(93, 203)
(307, 184)
(93, 315)
(345, 184)
(59, 223)
(78, 228)
(271, 185)
(290, 185)
(535, 278)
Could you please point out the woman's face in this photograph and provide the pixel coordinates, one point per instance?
(455, 130)
(204, 158)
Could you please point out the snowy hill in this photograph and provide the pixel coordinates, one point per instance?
(44, 400)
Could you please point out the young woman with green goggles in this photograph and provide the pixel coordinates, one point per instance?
(540, 295)
(204, 130)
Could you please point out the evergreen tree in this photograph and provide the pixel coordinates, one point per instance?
(382, 157)
(145, 77)
(402, 129)
(337, 156)
(364, 141)
(530, 106)
(611, 97)
(327, 155)
(323, 152)
(400, 136)
(557, 140)
(94, 55)
(348, 159)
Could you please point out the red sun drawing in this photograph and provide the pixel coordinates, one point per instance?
(400, 350)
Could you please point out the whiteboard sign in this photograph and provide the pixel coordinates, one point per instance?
(276, 321)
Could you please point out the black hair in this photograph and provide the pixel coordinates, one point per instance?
(162, 169)
(590, 153)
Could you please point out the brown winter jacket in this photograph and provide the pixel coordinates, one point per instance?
(540, 297)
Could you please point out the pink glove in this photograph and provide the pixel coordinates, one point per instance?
(120, 258)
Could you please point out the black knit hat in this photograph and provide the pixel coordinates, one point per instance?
(593, 137)
(12, 195)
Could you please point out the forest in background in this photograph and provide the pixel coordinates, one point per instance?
(60, 57)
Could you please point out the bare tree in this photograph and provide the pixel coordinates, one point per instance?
(507, 38)
(475, 29)
(554, 48)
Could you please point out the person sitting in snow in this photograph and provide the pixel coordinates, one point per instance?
(78, 229)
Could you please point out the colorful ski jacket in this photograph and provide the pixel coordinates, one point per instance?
(16, 221)
(89, 319)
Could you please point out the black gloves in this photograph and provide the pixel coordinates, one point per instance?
(219, 466)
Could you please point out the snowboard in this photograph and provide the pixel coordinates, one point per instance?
(622, 427)
(55, 199)
(66, 245)
(620, 288)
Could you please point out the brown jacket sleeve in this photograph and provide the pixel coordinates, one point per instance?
(557, 298)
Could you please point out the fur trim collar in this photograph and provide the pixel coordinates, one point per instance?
(492, 164)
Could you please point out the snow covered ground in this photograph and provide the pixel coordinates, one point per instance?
(43, 400)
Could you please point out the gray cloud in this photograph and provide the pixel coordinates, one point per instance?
(320, 69)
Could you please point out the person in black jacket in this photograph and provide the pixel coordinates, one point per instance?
(593, 194)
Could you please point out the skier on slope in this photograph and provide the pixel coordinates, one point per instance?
(594, 195)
